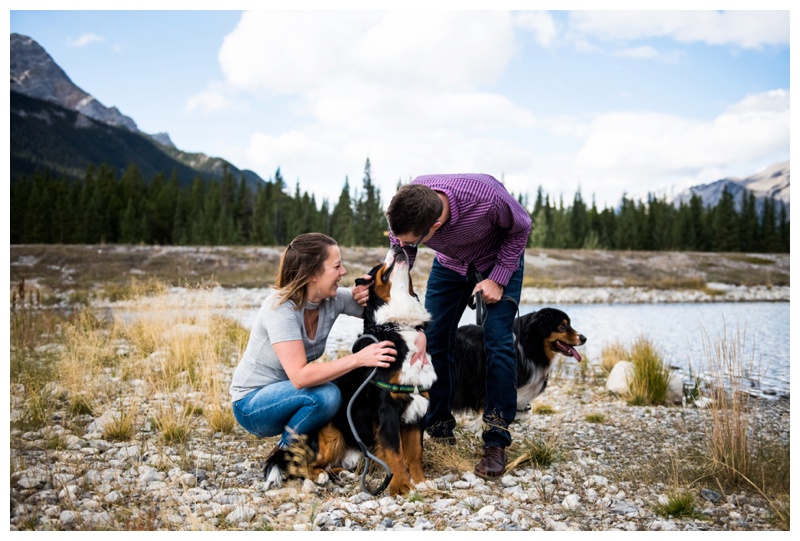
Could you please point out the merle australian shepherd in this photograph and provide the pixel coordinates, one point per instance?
(388, 414)
(540, 337)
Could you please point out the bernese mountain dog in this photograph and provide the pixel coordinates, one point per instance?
(539, 336)
(388, 414)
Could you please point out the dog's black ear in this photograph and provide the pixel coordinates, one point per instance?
(372, 273)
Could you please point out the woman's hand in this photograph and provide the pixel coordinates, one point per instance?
(379, 354)
(361, 293)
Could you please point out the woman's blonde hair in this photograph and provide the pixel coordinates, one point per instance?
(303, 258)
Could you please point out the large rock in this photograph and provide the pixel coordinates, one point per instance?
(620, 377)
(622, 374)
(675, 389)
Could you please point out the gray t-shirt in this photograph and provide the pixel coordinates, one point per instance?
(260, 365)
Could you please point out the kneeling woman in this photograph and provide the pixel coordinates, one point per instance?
(276, 388)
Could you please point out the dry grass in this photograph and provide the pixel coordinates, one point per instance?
(611, 354)
(650, 374)
(737, 453)
(89, 361)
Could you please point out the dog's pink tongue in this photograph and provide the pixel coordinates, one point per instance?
(574, 352)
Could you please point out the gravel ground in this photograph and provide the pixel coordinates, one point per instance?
(613, 464)
(608, 473)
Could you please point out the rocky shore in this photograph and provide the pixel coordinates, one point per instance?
(235, 298)
(610, 471)
(611, 466)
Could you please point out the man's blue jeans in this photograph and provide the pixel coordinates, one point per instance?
(446, 299)
(279, 408)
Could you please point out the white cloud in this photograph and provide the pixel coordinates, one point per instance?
(286, 52)
(644, 51)
(746, 29)
(214, 100)
(415, 93)
(541, 23)
(85, 40)
(647, 52)
(403, 88)
(641, 150)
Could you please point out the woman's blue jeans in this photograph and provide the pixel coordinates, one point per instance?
(280, 408)
(446, 298)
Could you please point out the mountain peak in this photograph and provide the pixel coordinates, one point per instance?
(35, 74)
(770, 183)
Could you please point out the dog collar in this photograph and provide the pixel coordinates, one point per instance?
(415, 389)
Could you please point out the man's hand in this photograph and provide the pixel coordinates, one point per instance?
(421, 342)
(491, 291)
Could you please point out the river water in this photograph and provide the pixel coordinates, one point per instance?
(681, 332)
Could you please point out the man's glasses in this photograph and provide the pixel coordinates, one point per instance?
(425, 234)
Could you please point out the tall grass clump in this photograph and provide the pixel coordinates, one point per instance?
(739, 455)
(88, 351)
(611, 354)
(650, 380)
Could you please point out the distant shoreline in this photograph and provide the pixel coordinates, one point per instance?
(232, 298)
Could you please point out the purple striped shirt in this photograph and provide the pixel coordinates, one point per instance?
(487, 226)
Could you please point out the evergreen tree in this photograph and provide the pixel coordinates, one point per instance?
(280, 204)
(560, 234)
(538, 236)
(726, 224)
(770, 241)
(323, 222)
(242, 212)
(783, 229)
(748, 224)
(261, 220)
(160, 208)
(129, 226)
(627, 237)
(370, 220)
(38, 212)
(699, 234)
(578, 222)
(342, 218)
(20, 192)
(594, 239)
(296, 223)
(196, 212)
(95, 226)
(608, 229)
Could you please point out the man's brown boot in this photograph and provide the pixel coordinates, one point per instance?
(493, 463)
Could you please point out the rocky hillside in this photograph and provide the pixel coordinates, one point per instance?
(58, 126)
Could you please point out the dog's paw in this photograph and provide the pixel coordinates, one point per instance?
(322, 478)
(425, 486)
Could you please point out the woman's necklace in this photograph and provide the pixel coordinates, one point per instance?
(311, 322)
(311, 318)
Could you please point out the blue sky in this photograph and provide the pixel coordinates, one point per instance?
(608, 102)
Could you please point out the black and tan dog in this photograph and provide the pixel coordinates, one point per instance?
(540, 336)
(389, 413)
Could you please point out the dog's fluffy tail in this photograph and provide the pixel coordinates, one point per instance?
(292, 462)
(276, 467)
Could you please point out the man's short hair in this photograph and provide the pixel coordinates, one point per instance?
(413, 210)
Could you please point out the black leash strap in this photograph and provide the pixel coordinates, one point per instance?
(361, 444)
(476, 303)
